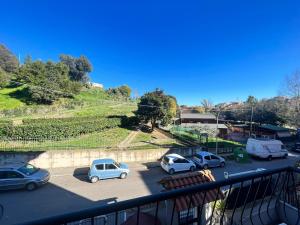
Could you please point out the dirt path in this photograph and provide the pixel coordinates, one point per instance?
(126, 142)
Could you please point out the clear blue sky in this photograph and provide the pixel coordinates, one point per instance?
(220, 50)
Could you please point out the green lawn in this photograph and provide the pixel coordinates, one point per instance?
(8, 102)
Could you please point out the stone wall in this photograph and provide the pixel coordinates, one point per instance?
(79, 158)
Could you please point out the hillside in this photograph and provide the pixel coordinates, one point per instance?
(92, 119)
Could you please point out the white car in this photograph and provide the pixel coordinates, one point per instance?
(172, 163)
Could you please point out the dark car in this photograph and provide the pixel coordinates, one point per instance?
(22, 175)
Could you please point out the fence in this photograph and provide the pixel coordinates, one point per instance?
(265, 197)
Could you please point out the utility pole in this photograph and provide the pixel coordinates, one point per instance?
(217, 129)
(251, 121)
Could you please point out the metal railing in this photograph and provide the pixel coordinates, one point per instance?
(249, 199)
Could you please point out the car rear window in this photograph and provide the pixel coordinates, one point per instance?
(166, 159)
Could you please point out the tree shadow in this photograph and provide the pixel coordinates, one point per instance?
(23, 95)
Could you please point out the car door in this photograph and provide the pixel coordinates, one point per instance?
(100, 171)
(215, 161)
(3, 181)
(177, 165)
(14, 180)
(208, 161)
(111, 170)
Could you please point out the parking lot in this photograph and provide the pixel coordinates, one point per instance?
(67, 192)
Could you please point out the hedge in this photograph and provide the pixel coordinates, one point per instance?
(61, 128)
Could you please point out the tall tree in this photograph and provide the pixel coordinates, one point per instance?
(78, 67)
(4, 78)
(46, 82)
(207, 105)
(8, 61)
(292, 90)
(156, 106)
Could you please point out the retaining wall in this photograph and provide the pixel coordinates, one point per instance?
(79, 158)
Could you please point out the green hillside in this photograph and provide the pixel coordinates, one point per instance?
(86, 108)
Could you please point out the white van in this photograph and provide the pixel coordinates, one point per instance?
(266, 148)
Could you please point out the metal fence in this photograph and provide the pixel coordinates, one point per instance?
(254, 198)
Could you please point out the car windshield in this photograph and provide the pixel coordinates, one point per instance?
(28, 169)
(117, 164)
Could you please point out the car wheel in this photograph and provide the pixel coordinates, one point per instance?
(269, 157)
(205, 166)
(123, 175)
(285, 156)
(222, 164)
(31, 186)
(171, 171)
(192, 169)
(94, 179)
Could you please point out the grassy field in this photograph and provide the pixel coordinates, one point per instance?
(7, 101)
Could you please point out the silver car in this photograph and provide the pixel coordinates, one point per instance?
(206, 160)
(22, 175)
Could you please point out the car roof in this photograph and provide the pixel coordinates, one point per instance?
(204, 153)
(11, 166)
(173, 156)
(106, 160)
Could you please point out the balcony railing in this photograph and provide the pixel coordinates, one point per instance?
(265, 197)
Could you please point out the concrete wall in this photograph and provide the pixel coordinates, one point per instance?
(79, 158)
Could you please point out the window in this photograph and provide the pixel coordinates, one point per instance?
(184, 217)
(110, 167)
(181, 161)
(199, 157)
(100, 167)
(28, 169)
(13, 175)
(207, 157)
(214, 157)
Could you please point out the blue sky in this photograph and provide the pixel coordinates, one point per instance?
(220, 50)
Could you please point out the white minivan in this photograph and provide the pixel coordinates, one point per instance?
(172, 163)
(266, 148)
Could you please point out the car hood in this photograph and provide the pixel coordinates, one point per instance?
(123, 166)
(40, 174)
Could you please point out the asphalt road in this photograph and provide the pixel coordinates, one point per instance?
(67, 192)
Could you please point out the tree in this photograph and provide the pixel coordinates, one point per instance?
(125, 91)
(251, 100)
(8, 61)
(207, 105)
(156, 106)
(46, 82)
(4, 78)
(78, 67)
(292, 90)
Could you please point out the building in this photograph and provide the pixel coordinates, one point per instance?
(204, 121)
(188, 208)
(197, 118)
(264, 131)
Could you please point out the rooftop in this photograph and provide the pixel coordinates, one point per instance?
(191, 179)
(197, 116)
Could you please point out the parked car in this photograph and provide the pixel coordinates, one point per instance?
(107, 168)
(22, 175)
(206, 160)
(172, 163)
(266, 148)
